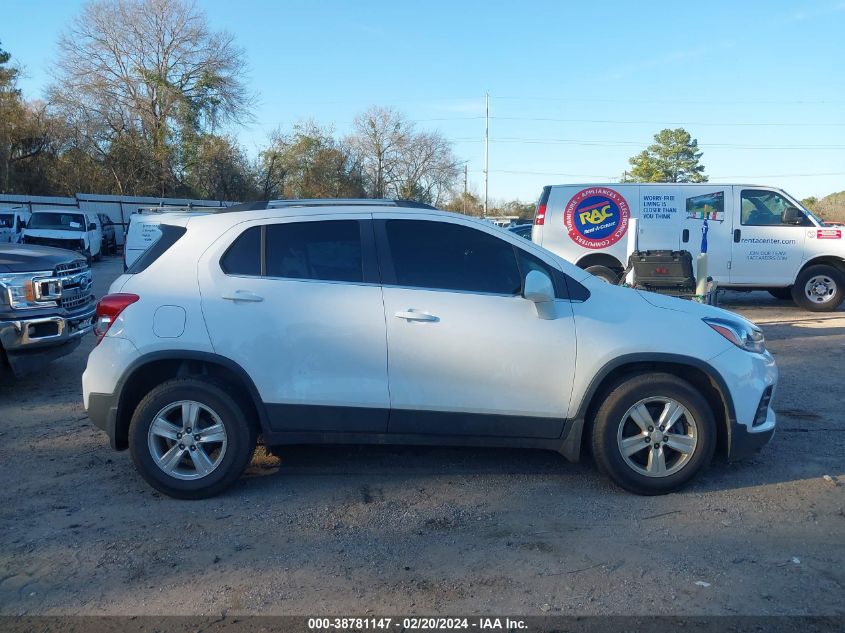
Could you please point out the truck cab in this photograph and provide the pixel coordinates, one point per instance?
(71, 229)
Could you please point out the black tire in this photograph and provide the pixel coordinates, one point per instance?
(240, 437)
(622, 397)
(603, 272)
(784, 294)
(87, 254)
(826, 302)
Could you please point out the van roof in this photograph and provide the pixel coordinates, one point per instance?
(663, 184)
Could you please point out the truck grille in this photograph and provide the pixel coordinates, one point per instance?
(70, 285)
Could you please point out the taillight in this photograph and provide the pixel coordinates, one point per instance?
(540, 215)
(108, 309)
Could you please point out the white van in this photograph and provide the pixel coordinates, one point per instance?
(143, 228)
(69, 228)
(756, 237)
(12, 223)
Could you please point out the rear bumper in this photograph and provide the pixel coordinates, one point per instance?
(102, 410)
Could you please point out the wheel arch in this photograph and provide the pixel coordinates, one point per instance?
(830, 260)
(701, 375)
(600, 259)
(153, 369)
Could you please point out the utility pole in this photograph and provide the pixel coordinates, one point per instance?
(465, 189)
(486, 148)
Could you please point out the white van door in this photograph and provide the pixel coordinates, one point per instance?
(706, 210)
(767, 251)
(660, 217)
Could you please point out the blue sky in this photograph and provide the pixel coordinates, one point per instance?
(575, 88)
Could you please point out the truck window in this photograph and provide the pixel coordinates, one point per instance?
(763, 208)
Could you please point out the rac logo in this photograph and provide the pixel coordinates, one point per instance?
(595, 214)
(596, 217)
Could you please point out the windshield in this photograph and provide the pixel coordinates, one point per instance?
(57, 221)
(7, 220)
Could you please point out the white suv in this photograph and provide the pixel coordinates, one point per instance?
(391, 322)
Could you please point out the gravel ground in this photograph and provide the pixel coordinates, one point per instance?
(334, 530)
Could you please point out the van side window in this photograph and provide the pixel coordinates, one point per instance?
(243, 257)
(328, 250)
(765, 208)
(444, 256)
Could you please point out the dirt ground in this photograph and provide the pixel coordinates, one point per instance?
(362, 530)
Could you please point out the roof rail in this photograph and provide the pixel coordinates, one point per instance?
(259, 205)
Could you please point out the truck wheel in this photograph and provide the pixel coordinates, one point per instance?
(604, 273)
(190, 439)
(784, 294)
(819, 288)
(653, 433)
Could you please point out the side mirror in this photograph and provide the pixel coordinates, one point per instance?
(540, 290)
(792, 215)
(92, 226)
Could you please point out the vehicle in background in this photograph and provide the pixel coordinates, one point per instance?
(143, 228)
(523, 230)
(378, 321)
(12, 223)
(71, 229)
(109, 243)
(755, 237)
(46, 305)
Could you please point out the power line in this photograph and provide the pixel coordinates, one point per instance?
(681, 123)
(601, 143)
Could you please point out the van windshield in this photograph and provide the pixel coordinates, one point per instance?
(7, 220)
(57, 221)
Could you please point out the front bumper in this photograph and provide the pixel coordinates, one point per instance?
(32, 343)
(747, 376)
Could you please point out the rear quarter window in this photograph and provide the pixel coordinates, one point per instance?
(169, 236)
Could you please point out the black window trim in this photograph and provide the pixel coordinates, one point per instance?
(369, 263)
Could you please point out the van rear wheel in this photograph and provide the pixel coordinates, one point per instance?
(819, 288)
(604, 273)
(653, 433)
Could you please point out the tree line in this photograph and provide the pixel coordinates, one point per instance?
(141, 95)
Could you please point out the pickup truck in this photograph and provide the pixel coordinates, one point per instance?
(46, 305)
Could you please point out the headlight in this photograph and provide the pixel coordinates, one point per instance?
(23, 291)
(744, 335)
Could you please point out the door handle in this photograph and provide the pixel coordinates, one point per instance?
(243, 295)
(412, 314)
(737, 235)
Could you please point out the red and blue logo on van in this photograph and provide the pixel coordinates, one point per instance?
(596, 217)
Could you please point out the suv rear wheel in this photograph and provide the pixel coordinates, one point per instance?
(653, 433)
(190, 439)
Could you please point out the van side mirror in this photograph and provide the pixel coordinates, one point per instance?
(92, 226)
(792, 215)
(538, 288)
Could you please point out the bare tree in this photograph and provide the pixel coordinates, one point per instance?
(378, 139)
(150, 72)
(397, 161)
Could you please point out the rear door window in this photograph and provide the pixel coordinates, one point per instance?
(327, 250)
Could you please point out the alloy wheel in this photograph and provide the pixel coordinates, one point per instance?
(187, 440)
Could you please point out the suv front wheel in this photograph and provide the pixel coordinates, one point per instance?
(653, 433)
(190, 439)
